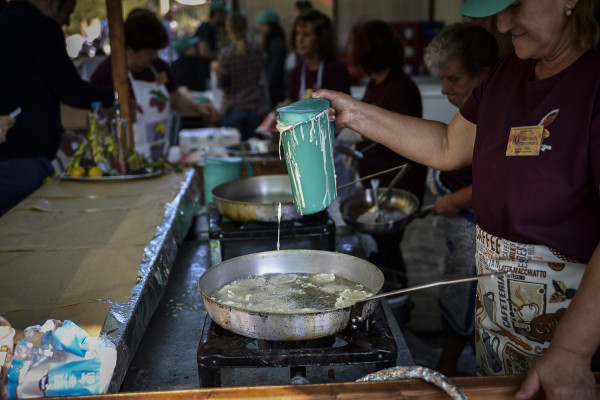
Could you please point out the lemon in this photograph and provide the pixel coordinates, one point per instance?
(95, 172)
(76, 172)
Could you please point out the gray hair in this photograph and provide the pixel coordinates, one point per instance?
(472, 45)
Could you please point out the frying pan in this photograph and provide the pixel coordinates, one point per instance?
(288, 326)
(399, 208)
(256, 199)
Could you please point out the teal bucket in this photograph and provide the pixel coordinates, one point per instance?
(307, 139)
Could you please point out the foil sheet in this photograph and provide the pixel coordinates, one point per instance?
(426, 374)
(126, 322)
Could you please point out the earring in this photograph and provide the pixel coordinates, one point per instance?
(569, 10)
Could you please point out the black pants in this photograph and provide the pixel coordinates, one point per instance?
(389, 258)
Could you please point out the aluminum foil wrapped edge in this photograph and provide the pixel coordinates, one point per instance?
(126, 323)
(426, 374)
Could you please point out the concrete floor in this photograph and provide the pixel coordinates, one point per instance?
(423, 247)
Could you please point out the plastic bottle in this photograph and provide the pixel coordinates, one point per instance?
(120, 136)
(95, 134)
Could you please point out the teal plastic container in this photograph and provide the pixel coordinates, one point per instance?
(218, 170)
(307, 139)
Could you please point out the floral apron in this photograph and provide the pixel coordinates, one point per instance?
(151, 128)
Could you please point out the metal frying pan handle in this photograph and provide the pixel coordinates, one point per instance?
(370, 176)
(394, 182)
(423, 212)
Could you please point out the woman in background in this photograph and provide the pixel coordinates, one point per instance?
(313, 38)
(152, 83)
(460, 55)
(238, 75)
(377, 52)
(273, 42)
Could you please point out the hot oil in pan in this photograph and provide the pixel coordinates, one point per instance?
(291, 293)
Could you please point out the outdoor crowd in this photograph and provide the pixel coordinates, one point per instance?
(516, 171)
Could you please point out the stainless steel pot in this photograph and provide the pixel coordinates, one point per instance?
(256, 199)
(286, 326)
(254, 148)
(399, 209)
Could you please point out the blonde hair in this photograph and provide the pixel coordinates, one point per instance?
(237, 25)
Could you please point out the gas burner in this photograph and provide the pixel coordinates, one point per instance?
(348, 355)
(230, 239)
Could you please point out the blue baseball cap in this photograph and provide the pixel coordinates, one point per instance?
(484, 8)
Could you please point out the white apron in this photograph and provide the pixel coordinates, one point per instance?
(151, 128)
(516, 315)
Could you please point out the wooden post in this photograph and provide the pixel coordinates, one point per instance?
(118, 54)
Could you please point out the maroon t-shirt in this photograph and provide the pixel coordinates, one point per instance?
(398, 93)
(335, 77)
(457, 179)
(103, 74)
(552, 198)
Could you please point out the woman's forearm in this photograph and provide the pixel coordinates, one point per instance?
(431, 143)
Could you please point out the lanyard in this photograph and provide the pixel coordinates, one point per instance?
(303, 79)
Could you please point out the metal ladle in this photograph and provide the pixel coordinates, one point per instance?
(370, 176)
(377, 211)
(359, 154)
(358, 305)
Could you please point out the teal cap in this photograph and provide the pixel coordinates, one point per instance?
(303, 110)
(218, 5)
(484, 8)
(182, 43)
(268, 16)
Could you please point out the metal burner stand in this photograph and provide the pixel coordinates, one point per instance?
(220, 348)
(230, 239)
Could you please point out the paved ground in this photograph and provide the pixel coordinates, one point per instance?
(423, 247)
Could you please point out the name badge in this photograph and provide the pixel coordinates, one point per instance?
(525, 140)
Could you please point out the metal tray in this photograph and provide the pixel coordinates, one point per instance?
(150, 174)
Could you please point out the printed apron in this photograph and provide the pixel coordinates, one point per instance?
(457, 301)
(151, 128)
(516, 315)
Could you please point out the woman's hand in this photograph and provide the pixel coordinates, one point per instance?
(342, 106)
(562, 374)
(208, 111)
(451, 204)
(445, 207)
(6, 123)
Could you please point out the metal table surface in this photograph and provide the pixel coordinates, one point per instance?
(166, 356)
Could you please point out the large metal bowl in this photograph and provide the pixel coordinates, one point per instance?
(254, 149)
(287, 326)
(399, 208)
(256, 199)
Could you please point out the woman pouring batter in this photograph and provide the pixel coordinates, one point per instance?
(531, 131)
